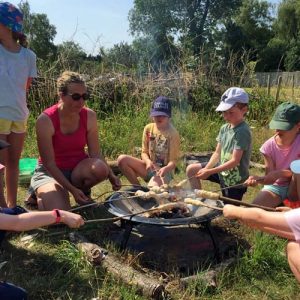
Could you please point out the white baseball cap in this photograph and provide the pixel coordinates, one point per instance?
(232, 96)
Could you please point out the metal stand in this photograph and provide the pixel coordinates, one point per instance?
(127, 226)
(211, 233)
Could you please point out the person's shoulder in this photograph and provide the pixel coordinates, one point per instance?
(29, 52)
(149, 126)
(89, 111)
(43, 120)
(173, 129)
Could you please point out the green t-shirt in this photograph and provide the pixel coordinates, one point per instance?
(236, 138)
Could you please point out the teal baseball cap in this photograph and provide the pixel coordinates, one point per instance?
(286, 116)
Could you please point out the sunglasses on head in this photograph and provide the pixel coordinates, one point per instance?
(77, 97)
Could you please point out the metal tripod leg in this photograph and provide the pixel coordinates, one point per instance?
(127, 226)
(211, 232)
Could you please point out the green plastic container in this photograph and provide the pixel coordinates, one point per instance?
(26, 167)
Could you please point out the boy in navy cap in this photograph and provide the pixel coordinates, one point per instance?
(160, 148)
(229, 164)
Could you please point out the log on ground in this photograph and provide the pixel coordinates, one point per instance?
(148, 286)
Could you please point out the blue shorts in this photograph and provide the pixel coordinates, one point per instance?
(281, 191)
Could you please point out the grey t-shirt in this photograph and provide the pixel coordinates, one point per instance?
(15, 69)
(236, 138)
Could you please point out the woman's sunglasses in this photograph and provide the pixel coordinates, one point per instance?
(77, 97)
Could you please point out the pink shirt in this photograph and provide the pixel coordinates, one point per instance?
(292, 217)
(68, 148)
(282, 158)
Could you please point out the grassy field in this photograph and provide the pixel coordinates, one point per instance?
(50, 267)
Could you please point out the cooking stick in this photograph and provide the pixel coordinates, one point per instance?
(237, 202)
(236, 186)
(121, 217)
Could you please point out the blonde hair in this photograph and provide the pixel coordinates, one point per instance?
(66, 78)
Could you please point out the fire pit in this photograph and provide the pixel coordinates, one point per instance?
(124, 203)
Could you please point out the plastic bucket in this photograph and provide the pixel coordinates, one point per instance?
(26, 167)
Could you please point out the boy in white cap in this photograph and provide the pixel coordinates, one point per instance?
(229, 164)
(160, 148)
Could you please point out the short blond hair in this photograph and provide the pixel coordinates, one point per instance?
(66, 78)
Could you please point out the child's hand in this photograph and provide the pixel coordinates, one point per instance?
(282, 208)
(150, 165)
(162, 171)
(229, 211)
(71, 219)
(254, 180)
(204, 173)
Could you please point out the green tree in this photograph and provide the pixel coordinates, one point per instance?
(250, 29)
(39, 31)
(122, 55)
(71, 55)
(166, 22)
(287, 28)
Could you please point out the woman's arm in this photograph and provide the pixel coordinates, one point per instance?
(33, 220)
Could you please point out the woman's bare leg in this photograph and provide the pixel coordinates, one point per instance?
(88, 173)
(51, 196)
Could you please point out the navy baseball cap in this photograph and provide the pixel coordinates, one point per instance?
(161, 106)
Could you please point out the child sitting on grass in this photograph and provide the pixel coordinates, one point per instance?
(160, 149)
(229, 164)
(278, 152)
(284, 224)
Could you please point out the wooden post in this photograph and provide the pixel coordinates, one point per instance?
(269, 85)
(293, 86)
(278, 88)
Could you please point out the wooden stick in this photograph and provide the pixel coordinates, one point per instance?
(237, 202)
(121, 217)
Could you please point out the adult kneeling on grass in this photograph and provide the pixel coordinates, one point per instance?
(63, 131)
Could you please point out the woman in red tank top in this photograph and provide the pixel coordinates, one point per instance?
(63, 132)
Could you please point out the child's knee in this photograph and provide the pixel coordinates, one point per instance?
(192, 169)
(122, 159)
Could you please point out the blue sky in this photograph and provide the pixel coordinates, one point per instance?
(91, 23)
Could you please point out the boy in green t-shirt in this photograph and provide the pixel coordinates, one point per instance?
(229, 164)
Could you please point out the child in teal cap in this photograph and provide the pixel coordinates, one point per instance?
(279, 152)
(18, 67)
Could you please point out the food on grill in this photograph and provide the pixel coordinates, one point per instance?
(207, 194)
(151, 194)
(157, 189)
(178, 209)
(181, 183)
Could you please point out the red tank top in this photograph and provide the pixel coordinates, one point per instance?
(68, 148)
